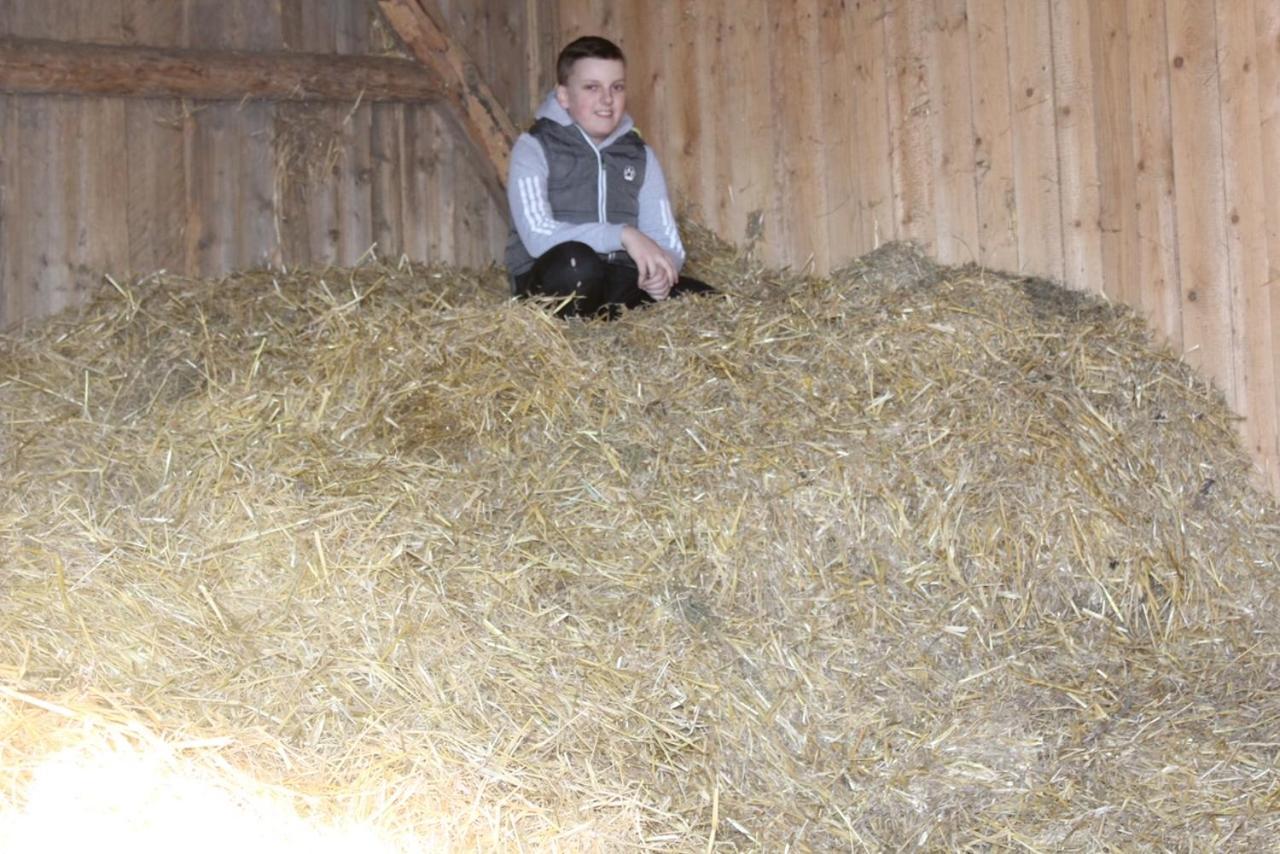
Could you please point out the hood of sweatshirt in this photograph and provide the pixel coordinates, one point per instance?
(552, 110)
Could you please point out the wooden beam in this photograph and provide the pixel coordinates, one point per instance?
(40, 67)
(485, 121)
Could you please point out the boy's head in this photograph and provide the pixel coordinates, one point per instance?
(591, 74)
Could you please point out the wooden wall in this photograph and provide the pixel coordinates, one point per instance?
(1127, 147)
(127, 186)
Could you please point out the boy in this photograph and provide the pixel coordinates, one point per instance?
(589, 203)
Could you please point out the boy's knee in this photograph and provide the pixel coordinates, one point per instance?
(574, 258)
(570, 268)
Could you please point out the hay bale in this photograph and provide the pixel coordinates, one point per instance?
(937, 558)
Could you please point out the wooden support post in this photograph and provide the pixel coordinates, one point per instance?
(485, 121)
(39, 67)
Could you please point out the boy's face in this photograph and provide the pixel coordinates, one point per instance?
(595, 96)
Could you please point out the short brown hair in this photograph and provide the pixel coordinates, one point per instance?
(586, 47)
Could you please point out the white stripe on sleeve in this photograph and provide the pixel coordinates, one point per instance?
(533, 211)
(669, 229)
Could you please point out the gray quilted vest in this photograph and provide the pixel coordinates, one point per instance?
(573, 182)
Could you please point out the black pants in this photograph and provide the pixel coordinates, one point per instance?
(598, 287)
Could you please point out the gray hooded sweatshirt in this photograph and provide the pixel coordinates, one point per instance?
(563, 187)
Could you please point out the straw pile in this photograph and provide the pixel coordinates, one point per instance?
(906, 557)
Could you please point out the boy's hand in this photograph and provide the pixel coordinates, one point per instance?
(658, 286)
(657, 273)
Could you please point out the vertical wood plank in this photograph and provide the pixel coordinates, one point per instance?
(866, 30)
(154, 158)
(51, 189)
(355, 187)
(797, 134)
(1155, 216)
(746, 173)
(101, 223)
(210, 188)
(1268, 48)
(26, 225)
(442, 198)
(1077, 146)
(257, 238)
(154, 151)
(310, 151)
(41, 20)
(469, 24)
(8, 150)
(355, 178)
(12, 204)
(1114, 132)
(210, 144)
(387, 205)
(98, 226)
(351, 27)
(337, 202)
(493, 27)
(1207, 330)
(641, 37)
(470, 222)
(711, 147)
(156, 23)
(40, 248)
(837, 140)
(955, 201)
(1267, 17)
(1271, 460)
(76, 188)
(681, 147)
(715, 158)
(293, 184)
(479, 219)
(416, 215)
(759, 187)
(8, 196)
(507, 32)
(580, 18)
(258, 27)
(101, 22)
(1035, 155)
(569, 13)
(543, 46)
(293, 35)
(993, 135)
(1246, 225)
(910, 109)
(232, 179)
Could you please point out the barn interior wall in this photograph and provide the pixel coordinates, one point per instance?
(130, 186)
(1125, 147)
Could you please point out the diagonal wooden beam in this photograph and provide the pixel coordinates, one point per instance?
(39, 67)
(486, 123)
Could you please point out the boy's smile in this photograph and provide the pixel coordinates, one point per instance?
(595, 96)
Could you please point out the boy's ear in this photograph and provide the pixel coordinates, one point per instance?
(562, 95)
